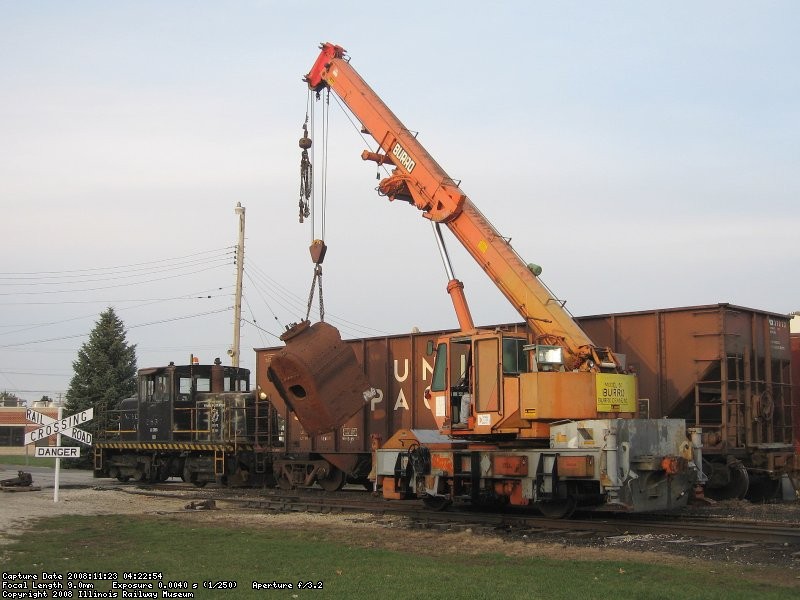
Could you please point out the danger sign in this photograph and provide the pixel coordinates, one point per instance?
(58, 452)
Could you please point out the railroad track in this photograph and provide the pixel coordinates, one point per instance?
(608, 526)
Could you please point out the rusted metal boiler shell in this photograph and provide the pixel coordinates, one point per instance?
(318, 377)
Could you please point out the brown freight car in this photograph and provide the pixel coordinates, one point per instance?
(724, 368)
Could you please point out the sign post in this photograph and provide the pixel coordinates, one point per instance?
(58, 460)
(66, 426)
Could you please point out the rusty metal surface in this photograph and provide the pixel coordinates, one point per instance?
(398, 367)
(317, 377)
(722, 367)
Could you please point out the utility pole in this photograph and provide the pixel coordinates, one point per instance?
(237, 308)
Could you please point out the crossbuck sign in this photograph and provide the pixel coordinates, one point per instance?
(66, 426)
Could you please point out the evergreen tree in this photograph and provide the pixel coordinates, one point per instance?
(105, 371)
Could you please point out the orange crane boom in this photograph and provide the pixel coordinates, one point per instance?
(421, 181)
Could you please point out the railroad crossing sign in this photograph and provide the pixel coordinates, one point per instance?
(65, 426)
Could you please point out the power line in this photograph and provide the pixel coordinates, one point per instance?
(161, 260)
(116, 301)
(81, 335)
(107, 287)
(117, 276)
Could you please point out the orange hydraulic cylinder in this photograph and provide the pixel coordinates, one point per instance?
(456, 290)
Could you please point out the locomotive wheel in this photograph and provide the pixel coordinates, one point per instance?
(436, 503)
(199, 483)
(558, 509)
(124, 478)
(333, 481)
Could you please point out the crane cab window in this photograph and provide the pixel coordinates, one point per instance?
(439, 380)
(515, 360)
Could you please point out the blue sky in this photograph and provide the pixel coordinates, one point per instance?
(645, 154)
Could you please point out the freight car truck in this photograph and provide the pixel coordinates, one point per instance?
(538, 417)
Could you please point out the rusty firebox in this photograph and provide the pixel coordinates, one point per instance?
(317, 375)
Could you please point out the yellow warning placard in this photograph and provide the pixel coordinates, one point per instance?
(615, 393)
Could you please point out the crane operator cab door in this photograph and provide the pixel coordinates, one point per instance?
(469, 384)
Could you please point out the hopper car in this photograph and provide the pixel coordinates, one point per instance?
(725, 369)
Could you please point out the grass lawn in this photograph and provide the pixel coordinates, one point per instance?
(187, 551)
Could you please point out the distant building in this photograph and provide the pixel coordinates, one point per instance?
(7, 399)
(14, 425)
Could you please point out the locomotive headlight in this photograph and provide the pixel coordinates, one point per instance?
(263, 395)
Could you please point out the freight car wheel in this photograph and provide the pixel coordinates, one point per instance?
(284, 483)
(333, 481)
(123, 478)
(558, 509)
(763, 489)
(736, 488)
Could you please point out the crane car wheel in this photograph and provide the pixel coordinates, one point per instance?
(558, 509)
(436, 502)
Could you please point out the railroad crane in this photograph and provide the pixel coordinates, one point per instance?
(554, 372)
(540, 417)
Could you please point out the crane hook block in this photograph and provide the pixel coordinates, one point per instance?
(318, 376)
(317, 250)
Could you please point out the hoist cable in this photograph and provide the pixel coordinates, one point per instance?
(324, 182)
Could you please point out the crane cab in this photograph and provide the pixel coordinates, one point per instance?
(497, 384)
(475, 384)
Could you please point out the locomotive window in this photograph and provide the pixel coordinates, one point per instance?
(161, 392)
(203, 384)
(226, 384)
(185, 386)
(146, 389)
(244, 385)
